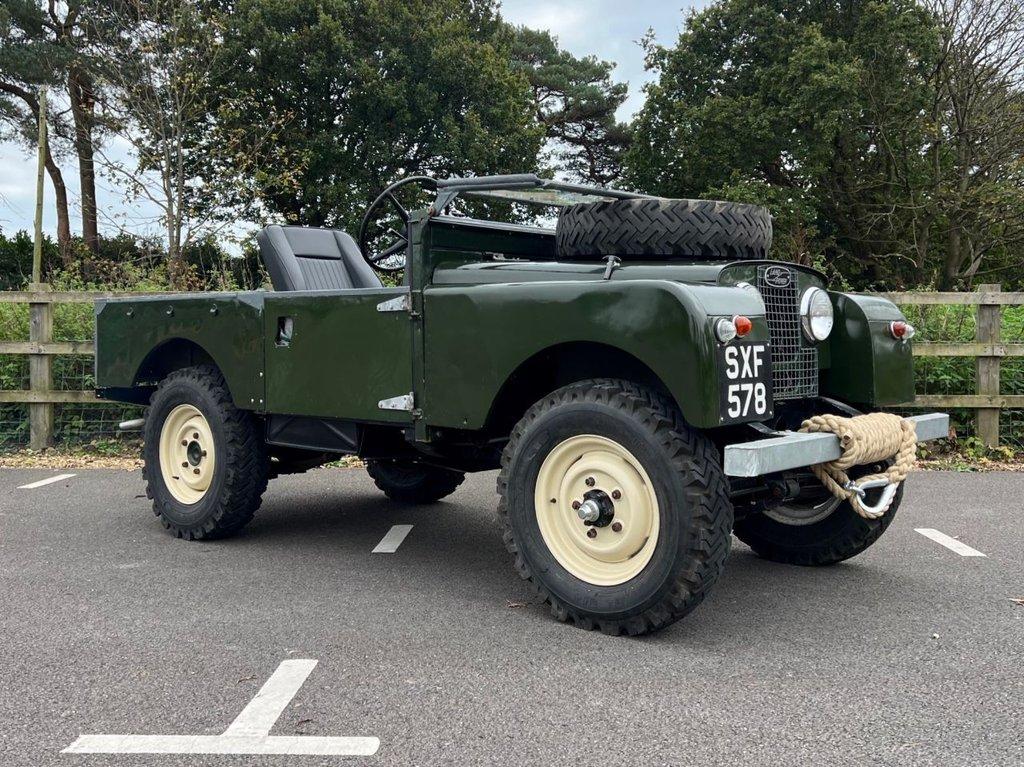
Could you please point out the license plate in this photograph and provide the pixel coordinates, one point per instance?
(745, 382)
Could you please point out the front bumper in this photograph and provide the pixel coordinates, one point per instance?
(794, 450)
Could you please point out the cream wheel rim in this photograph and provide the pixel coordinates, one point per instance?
(187, 455)
(619, 545)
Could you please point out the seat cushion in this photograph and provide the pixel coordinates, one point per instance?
(304, 258)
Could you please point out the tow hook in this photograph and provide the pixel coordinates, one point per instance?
(884, 499)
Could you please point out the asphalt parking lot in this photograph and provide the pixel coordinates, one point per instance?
(910, 654)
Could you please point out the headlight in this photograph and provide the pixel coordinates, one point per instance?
(816, 314)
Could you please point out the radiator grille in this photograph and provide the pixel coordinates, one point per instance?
(794, 362)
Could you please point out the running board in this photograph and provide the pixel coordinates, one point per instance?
(794, 450)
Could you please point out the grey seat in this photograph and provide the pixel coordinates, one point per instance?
(303, 258)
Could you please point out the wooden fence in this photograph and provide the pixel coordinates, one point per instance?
(41, 349)
(987, 349)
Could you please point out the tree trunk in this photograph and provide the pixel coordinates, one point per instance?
(82, 106)
(60, 193)
(56, 177)
(953, 260)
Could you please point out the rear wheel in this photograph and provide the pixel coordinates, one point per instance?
(412, 482)
(205, 462)
(615, 510)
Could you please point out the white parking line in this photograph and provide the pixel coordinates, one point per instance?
(47, 481)
(392, 540)
(248, 734)
(950, 543)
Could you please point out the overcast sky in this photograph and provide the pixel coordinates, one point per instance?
(608, 29)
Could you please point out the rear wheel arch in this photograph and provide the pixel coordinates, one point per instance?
(170, 356)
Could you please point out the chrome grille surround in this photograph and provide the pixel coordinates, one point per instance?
(794, 359)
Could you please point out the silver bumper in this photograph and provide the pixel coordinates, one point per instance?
(793, 450)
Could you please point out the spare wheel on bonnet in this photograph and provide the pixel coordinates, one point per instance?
(659, 227)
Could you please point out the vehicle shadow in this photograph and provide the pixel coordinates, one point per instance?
(456, 548)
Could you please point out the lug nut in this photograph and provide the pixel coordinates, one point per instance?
(575, 505)
(592, 532)
(616, 527)
(590, 482)
(184, 464)
(195, 435)
(184, 443)
(195, 471)
(616, 494)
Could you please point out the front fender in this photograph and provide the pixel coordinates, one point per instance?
(478, 335)
(868, 366)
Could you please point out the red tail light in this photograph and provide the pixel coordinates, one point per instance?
(901, 330)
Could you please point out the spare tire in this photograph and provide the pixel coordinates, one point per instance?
(660, 227)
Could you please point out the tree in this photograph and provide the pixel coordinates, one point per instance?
(378, 89)
(200, 155)
(887, 136)
(809, 107)
(975, 182)
(575, 100)
(29, 60)
(48, 44)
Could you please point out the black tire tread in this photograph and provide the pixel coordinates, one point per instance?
(661, 227)
(691, 453)
(246, 464)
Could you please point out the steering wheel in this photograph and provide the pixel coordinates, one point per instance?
(398, 241)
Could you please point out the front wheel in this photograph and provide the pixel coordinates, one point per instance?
(615, 510)
(205, 461)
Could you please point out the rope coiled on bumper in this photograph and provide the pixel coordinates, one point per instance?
(865, 439)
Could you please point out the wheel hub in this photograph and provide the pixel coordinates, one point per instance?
(597, 510)
(187, 455)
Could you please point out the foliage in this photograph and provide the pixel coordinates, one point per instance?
(378, 89)
(835, 115)
(192, 158)
(49, 44)
(575, 100)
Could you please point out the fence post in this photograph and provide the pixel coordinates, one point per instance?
(987, 332)
(40, 369)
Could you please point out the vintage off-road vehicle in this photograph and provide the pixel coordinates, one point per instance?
(637, 374)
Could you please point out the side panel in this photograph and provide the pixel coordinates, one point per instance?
(228, 326)
(869, 366)
(476, 336)
(344, 355)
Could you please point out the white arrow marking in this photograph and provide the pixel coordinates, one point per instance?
(248, 734)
